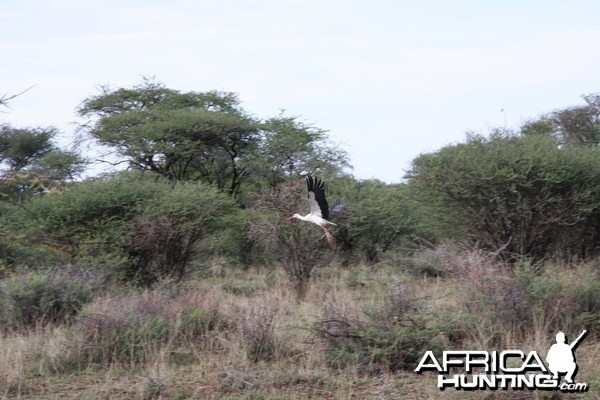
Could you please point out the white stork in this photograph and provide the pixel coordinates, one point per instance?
(319, 208)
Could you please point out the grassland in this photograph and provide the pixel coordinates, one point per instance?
(228, 333)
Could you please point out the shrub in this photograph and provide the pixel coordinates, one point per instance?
(257, 324)
(166, 232)
(42, 297)
(297, 246)
(523, 194)
(503, 300)
(129, 329)
(389, 338)
(379, 218)
(566, 298)
(151, 227)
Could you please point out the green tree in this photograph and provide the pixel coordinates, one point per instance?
(182, 136)
(19, 148)
(578, 124)
(207, 136)
(30, 162)
(521, 193)
(290, 148)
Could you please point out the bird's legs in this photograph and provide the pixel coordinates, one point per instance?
(328, 235)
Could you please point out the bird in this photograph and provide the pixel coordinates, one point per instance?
(320, 213)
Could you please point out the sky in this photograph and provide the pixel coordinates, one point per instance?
(388, 79)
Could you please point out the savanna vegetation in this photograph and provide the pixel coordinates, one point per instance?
(177, 275)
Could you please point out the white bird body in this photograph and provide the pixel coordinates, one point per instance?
(319, 208)
(315, 219)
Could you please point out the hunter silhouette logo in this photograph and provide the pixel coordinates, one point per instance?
(560, 357)
(508, 369)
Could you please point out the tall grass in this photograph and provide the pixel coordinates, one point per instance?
(358, 334)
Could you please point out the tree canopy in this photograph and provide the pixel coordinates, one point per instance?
(31, 162)
(203, 136)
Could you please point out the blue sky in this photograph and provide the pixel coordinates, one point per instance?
(388, 79)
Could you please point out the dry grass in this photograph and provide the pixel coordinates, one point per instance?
(222, 340)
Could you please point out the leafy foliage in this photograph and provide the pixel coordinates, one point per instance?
(30, 163)
(166, 232)
(180, 136)
(152, 226)
(205, 136)
(290, 148)
(578, 124)
(380, 218)
(524, 194)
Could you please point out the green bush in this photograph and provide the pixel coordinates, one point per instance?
(142, 229)
(378, 218)
(525, 194)
(86, 220)
(165, 233)
(568, 298)
(41, 298)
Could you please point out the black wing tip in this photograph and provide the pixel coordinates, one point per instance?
(317, 187)
(314, 183)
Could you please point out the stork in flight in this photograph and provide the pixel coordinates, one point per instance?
(319, 208)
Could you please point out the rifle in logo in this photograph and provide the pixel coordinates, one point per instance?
(561, 357)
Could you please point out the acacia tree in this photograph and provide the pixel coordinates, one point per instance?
(289, 148)
(182, 136)
(30, 162)
(206, 136)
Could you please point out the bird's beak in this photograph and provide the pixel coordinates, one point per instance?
(290, 218)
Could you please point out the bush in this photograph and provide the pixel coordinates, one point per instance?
(297, 246)
(523, 194)
(166, 232)
(380, 218)
(146, 228)
(42, 298)
(566, 298)
(257, 324)
(130, 329)
(503, 300)
(390, 338)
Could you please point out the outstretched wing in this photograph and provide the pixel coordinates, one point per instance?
(316, 197)
(336, 209)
